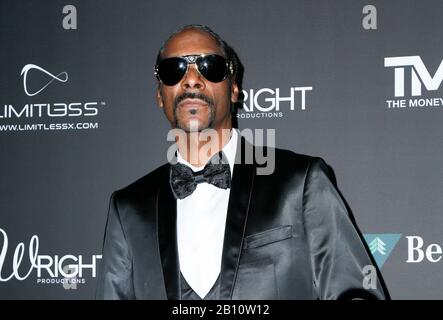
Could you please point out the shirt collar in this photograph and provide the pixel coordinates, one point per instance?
(230, 149)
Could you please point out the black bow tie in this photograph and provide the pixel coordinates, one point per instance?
(184, 181)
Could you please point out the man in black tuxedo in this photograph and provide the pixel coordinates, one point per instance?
(208, 225)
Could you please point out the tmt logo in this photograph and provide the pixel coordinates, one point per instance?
(419, 75)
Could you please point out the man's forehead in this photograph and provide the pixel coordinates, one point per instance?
(191, 41)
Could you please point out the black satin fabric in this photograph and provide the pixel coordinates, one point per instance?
(288, 235)
(187, 293)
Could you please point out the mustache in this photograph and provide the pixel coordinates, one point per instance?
(193, 95)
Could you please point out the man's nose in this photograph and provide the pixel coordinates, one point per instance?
(193, 79)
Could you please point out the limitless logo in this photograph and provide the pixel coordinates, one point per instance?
(381, 245)
(419, 75)
(17, 116)
(29, 67)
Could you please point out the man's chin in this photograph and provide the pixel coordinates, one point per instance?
(189, 129)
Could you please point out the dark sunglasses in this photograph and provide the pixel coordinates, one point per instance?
(213, 67)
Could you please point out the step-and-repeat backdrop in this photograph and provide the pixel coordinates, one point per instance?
(355, 82)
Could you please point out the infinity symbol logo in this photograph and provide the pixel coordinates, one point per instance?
(28, 67)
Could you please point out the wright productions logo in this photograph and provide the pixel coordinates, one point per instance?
(68, 270)
(41, 115)
(408, 86)
(273, 103)
(381, 245)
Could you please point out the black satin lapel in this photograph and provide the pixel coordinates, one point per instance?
(167, 237)
(241, 190)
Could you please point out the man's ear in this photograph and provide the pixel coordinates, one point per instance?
(159, 97)
(234, 92)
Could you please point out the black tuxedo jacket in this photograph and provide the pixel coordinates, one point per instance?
(288, 235)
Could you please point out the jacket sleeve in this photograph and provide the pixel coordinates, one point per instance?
(341, 265)
(115, 275)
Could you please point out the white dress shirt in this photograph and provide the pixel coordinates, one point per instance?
(201, 220)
